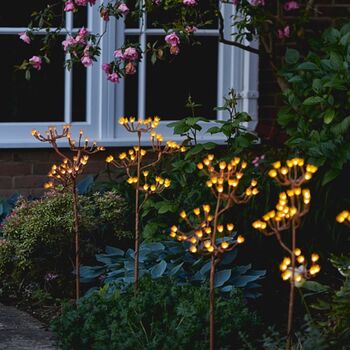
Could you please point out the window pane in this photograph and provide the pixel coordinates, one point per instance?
(80, 17)
(132, 19)
(10, 16)
(193, 72)
(41, 98)
(159, 16)
(130, 96)
(79, 93)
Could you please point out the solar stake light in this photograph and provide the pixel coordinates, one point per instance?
(64, 176)
(138, 166)
(293, 204)
(204, 227)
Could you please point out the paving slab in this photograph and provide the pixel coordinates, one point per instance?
(20, 331)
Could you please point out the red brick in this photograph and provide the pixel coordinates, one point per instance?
(15, 168)
(30, 181)
(5, 182)
(40, 155)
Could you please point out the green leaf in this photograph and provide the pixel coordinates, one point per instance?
(209, 145)
(314, 286)
(194, 150)
(313, 100)
(330, 175)
(307, 66)
(341, 127)
(292, 56)
(214, 130)
(221, 277)
(27, 74)
(328, 116)
(159, 269)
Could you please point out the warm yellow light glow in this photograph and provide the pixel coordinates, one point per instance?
(240, 239)
(109, 159)
(224, 245)
(314, 257)
(183, 214)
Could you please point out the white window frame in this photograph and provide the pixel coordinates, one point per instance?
(237, 69)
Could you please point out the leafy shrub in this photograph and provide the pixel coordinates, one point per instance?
(169, 258)
(38, 242)
(161, 315)
(317, 115)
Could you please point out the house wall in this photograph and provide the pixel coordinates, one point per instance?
(24, 171)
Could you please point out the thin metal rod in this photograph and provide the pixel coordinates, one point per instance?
(137, 215)
(76, 238)
(291, 293)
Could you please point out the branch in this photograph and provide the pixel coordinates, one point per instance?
(230, 42)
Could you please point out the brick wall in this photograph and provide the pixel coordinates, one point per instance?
(24, 171)
(327, 12)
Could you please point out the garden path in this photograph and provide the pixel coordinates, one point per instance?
(20, 331)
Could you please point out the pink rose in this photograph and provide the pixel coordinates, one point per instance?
(69, 6)
(104, 14)
(25, 37)
(291, 5)
(190, 2)
(172, 39)
(36, 62)
(123, 9)
(118, 54)
(131, 54)
(130, 69)
(257, 2)
(114, 77)
(156, 2)
(174, 50)
(68, 42)
(191, 29)
(81, 2)
(283, 33)
(106, 67)
(86, 61)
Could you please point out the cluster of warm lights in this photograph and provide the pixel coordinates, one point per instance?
(133, 125)
(301, 272)
(132, 156)
(344, 217)
(294, 171)
(51, 135)
(158, 186)
(291, 202)
(67, 172)
(128, 158)
(201, 223)
(226, 178)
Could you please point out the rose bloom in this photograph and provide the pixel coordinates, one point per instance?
(283, 33)
(36, 62)
(191, 29)
(86, 61)
(123, 9)
(190, 2)
(172, 39)
(81, 2)
(257, 2)
(69, 6)
(114, 77)
(130, 69)
(68, 42)
(25, 37)
(106, 67)
(118, 54)
(131, 54)
(174, 50)
(291, 5)
(104, 14)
